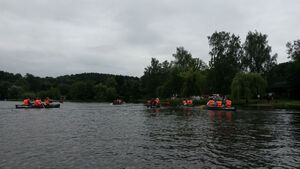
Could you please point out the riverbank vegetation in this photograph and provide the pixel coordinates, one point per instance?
(240, 71)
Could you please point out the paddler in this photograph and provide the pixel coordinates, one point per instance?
(211, 103)
(47, 101)
(184, 102)
(219, 103)
(228, 103)
(38, 102)
(157, 101)
(27, 102)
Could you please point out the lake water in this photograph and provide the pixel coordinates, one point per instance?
(98, 135)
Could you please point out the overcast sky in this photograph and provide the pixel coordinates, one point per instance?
(58, 37)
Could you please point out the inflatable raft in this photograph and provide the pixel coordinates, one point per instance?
(37, 107)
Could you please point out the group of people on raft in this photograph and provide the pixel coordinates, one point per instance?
(153, 102)
(37, 102)
(219, 103)
(118, 101)
(187, 102)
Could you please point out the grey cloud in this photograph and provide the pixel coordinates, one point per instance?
(53, 37)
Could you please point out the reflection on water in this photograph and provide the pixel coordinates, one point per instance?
(93, 135)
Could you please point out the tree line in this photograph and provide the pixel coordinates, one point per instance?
(78, 87)
(237, 70)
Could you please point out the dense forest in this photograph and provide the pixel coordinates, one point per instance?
(237, 70)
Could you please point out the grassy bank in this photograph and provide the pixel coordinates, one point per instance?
(270, 103)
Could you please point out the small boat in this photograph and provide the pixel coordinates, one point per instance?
(117, 102)
(152, 106)
(37, 107)
(188, 105)
(220, 108)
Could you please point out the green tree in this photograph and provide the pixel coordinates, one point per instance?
(111, 82)
(246, 86)
(110, 94)
(225, 55)
(257, 56)
(15, 92)
(4, 85)
(78, 91)
(194, 83)
(293, 50)
(154, 76)
(293, 75)
(100, 90)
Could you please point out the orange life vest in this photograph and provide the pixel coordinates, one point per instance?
(228, 103)
(183, 101)
(38, 103)
(219, 103)
(210, 103)
(26, 102)
(47, 101)
(191, 101)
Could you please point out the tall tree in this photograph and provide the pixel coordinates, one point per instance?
(225, 55)
(154, 76)
(293, 77)
(294, 50)
(257, 56)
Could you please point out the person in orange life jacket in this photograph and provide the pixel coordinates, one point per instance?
(210, 103)
(47, 101)
(228, 103)
(38, 102)
(27, 102)
(184, 102)
(219, 103)
(157, 101)
(153, 102)
(191, 102)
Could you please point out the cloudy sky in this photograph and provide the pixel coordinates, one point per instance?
(58, 37)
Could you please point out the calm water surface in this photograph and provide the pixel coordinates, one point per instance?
(94, 135)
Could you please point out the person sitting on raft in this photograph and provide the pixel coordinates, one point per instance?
(27, 102)
(38, 102)
(219, 103)
(184, 102)
(47, 101)
(211, 103)
(228, 103)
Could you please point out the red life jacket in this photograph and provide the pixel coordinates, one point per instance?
(38, 103)
(26, 102)
(210, 103)
(219, 103)
(47, 101)
(228, 103)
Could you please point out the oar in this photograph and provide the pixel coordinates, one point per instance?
(43, 105)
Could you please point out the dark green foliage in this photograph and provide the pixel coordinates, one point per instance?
(247, 86)
(74, 87)
(257, 57)
(185, 76)
(225, 53)
(15, 92)
(294, 50)
(154, 76)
